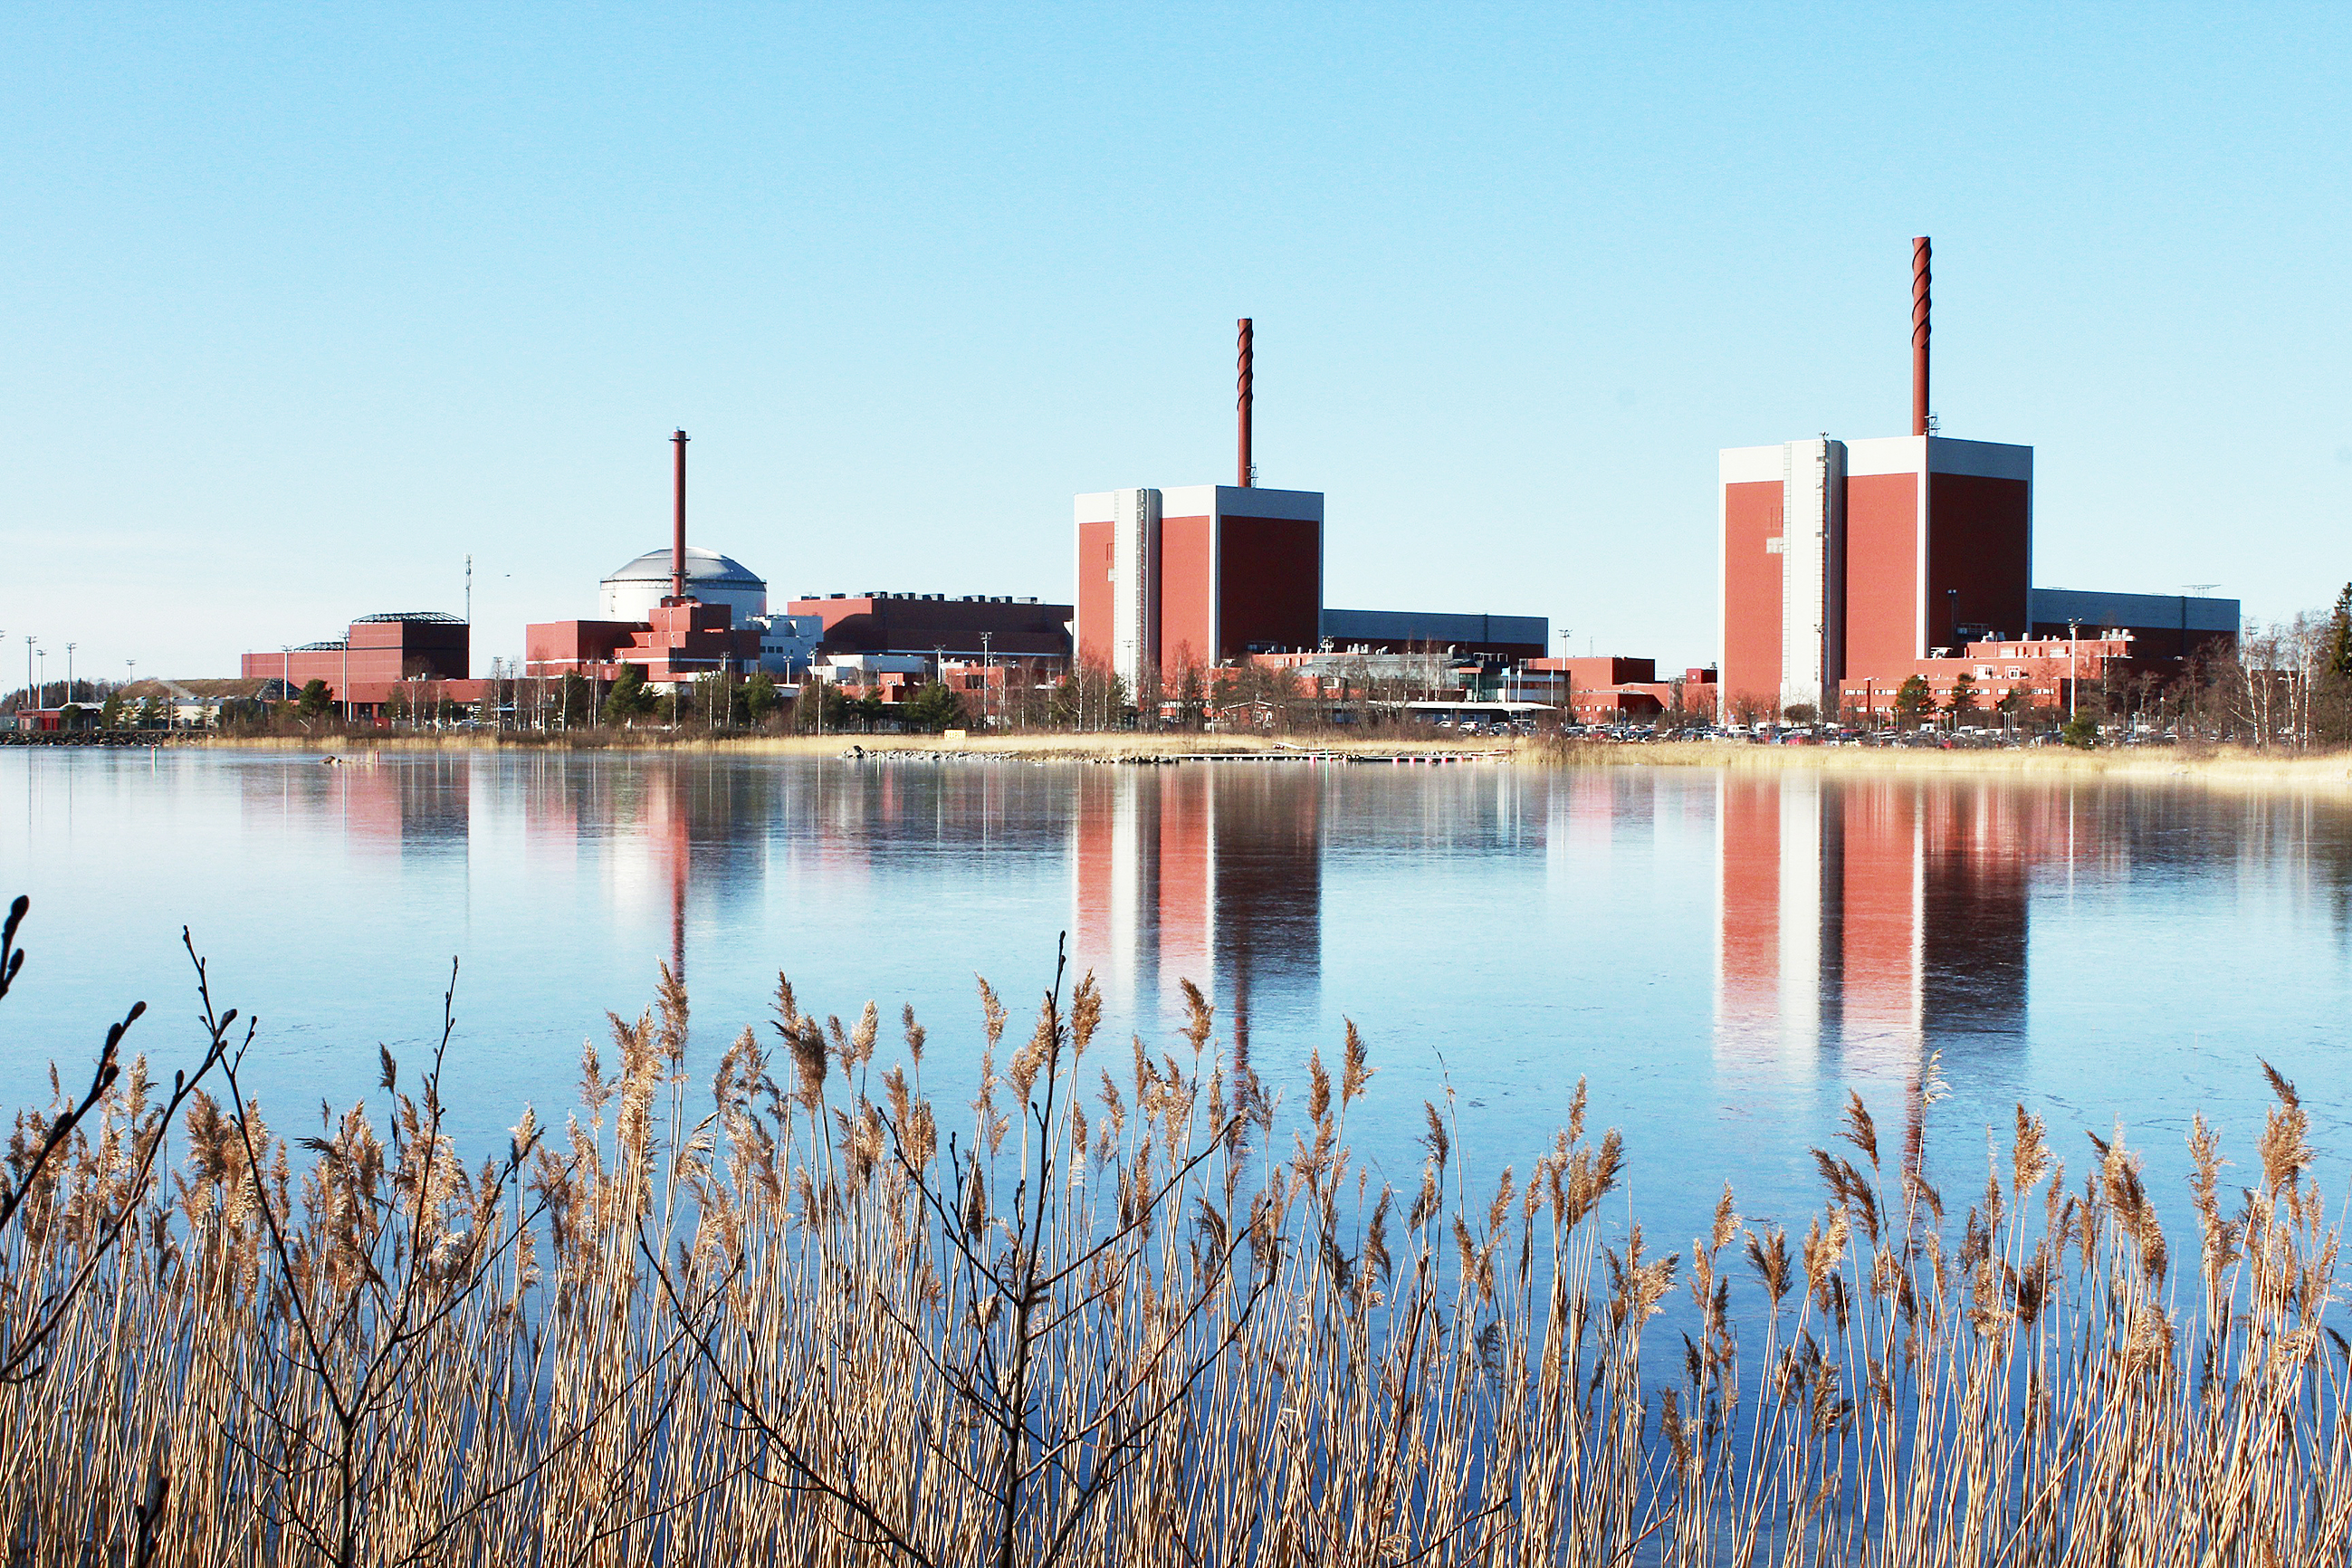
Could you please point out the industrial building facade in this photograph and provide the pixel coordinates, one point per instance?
(1197, 575)
(377, 654)
(1850, 567)
(2164, 628)
(1404, 631)
(974, 626)
(1852, 561)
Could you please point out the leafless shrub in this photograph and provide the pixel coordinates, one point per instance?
(1112, 1319)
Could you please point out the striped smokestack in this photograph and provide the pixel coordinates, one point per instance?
(1243, 402)
(1919, 255)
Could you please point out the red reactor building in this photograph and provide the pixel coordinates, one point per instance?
(1200, 575)
(1850, 561)
(1197, 576)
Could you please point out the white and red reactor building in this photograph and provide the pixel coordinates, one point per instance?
(1848, 567)
(1845, 563)
(1197, 576)
(1201, 574)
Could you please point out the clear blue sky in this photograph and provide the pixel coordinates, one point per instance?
(301, 305)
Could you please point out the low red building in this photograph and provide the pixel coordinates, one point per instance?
(2038, 672)
(1605, 688)
(968, 626)
(416, 649)
(679, 640)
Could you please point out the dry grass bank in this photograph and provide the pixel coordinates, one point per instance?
(1124, 1309)
(1040, 745)
(2223, 765)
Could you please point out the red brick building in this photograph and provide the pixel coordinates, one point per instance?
(1608, 689)
(1854, 566)
(414, 648)
(1199, 575)
(681, 640)
(2041, 673)
(974, 626)
(1852, 561)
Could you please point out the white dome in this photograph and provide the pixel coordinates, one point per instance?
(715, 579)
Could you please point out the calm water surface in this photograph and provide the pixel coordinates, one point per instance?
(1722, 957)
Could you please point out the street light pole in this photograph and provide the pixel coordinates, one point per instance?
(69, 650)
(2073, 680)
(1567, 690)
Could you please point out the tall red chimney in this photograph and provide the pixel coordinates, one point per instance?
(1244, 402)
(1919, 335)
(678, 523)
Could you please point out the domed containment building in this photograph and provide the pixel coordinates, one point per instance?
(637, 588)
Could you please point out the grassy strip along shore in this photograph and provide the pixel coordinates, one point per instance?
(1037, 745)
(2219, 764)
(1125, 1307)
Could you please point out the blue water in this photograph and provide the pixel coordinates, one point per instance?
(1723, 958)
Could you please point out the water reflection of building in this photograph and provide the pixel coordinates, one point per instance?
(664, 837)
(1203, 874)
(1877, 919)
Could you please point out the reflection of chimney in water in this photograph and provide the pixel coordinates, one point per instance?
(1883, 918)
(679, 846)
(678, 915)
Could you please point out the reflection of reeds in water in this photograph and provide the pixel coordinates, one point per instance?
(1126, 1312)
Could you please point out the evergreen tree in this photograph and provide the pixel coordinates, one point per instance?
(628, 699)
(759, 697)
(934, 709)
(314, 700)
(1910, 700)
(1962, 703)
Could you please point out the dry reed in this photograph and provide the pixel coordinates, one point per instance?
(1123, 1308)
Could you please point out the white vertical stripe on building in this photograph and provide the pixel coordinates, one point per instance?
(1135, 550)
(1812, 547)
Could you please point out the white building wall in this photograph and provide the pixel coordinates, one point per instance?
(1813, 569)
(1135, 546)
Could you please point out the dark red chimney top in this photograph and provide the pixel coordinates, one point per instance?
(1920, 256)
(1244, 403)
(678, 523)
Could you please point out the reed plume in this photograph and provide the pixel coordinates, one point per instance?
(821, 1318)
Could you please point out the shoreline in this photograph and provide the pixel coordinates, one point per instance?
(2223, 765)
(2211, 765)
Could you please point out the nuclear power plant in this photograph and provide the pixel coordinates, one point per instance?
(1851, 572)
(1850, 567)
(1204, 574)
